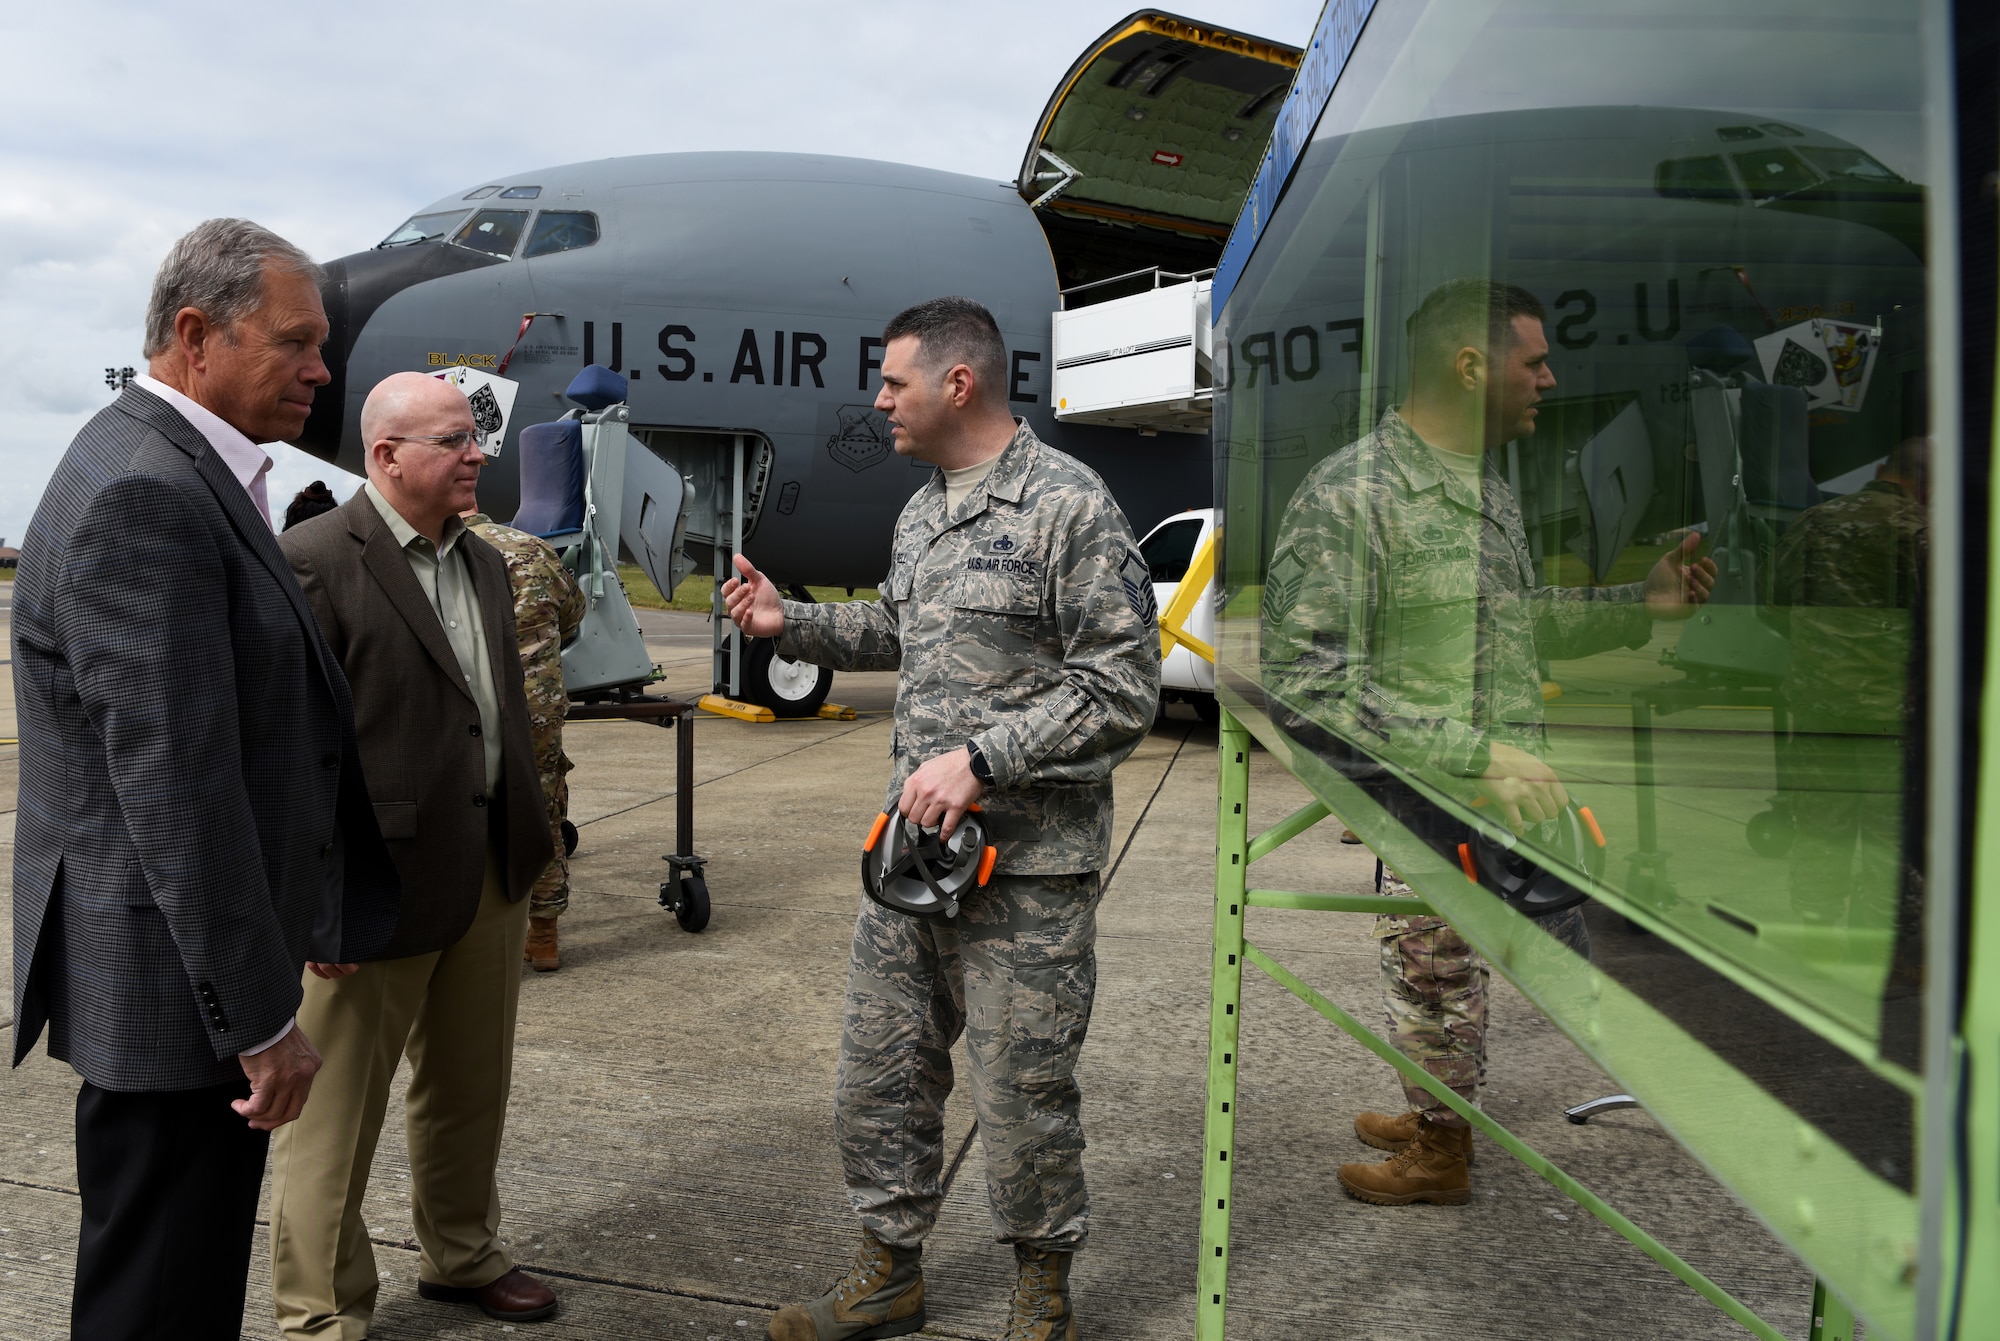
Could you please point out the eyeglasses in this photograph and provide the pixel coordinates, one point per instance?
(451, 442)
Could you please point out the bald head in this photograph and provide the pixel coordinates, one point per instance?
(425, 480)
(402, 397)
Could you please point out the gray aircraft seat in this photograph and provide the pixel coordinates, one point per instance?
(1773, 447)
(1750, 440)
(552, 478)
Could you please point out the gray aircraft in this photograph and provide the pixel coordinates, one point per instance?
(743, 297)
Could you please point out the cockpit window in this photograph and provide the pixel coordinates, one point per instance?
(521, 193)
(1774, 172)
(1849, 163)
(481, 193)
(1702, 178)
(561, 230)
(493, 231)
(423, 228)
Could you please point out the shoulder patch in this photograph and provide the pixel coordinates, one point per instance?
(1281, 585)
(1137, 580)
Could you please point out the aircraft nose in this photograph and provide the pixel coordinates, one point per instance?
(354, 287)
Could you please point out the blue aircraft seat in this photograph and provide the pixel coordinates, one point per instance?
(551, 479)
(597, 388)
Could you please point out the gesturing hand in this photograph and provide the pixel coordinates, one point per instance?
(1675, 587)
(1526, 790)
(281, 1077)
(752, 602)
(941, 791)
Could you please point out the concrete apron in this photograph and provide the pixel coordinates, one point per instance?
(669, 1161)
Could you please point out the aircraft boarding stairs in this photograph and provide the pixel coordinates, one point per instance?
(1142, 361)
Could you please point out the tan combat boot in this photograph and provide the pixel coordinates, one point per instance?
(881, 1295)
(1433, 1167)
(1393, 1133)
(542, 954)
(1041, 1310)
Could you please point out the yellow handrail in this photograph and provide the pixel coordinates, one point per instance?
(1193, 587)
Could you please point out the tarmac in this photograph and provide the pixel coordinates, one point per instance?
(669, 1165)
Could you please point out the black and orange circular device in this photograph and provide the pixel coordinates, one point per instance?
(908, 868)
(1505, 865)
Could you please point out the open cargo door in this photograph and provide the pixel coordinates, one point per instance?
(1147, 147)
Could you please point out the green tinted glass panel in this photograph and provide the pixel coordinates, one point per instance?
(1511, 355)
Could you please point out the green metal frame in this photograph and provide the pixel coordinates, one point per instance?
(1235, 850)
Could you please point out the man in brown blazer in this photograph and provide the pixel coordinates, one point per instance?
(419, 611)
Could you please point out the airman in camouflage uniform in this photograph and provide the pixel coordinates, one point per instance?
(1022, 623)
(1020, 617)
(1403, 615)
(548, 607)
(1850, 582)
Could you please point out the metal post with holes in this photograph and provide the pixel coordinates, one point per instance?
(738, 465)
(1225, 1014)
(725, 639)
(1235, 850)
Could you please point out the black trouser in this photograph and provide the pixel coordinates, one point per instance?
(170, 1181)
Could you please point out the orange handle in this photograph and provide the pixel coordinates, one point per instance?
(1590, 822)
(986, 861)
(1465, 861)
(875, 833)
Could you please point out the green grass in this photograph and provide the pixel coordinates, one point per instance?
(697, 593)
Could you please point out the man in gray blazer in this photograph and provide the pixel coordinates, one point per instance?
(193, 826)
(419, 611)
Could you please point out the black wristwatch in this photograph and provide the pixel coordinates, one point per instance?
(980, 768)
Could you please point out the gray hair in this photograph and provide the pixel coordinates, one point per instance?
(218, 268)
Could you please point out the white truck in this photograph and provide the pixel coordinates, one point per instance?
(1169, 549)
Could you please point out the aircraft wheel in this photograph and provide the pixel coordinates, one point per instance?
(1206, 708)
(788, 688)
(690, 904)
(569, 839)
(1769, 833)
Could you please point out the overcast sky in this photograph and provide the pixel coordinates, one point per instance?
(122, 125)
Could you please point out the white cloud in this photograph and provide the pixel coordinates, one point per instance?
(122, 125)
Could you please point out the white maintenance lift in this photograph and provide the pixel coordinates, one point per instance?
(1141, 361)
(1144, 361)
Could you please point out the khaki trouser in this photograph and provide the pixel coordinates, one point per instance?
(453, 1011)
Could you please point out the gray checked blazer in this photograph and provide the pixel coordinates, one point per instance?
(193, 824)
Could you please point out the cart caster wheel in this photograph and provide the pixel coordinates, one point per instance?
(569, 839)
(1769, 833)
(690, 903)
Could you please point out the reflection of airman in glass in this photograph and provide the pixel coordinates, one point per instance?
(1850, 579)
(1403, 614)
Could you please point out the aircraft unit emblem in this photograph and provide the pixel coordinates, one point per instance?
(486, 415)
(861, 439)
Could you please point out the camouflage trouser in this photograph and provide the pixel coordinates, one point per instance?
(1015, 972)
(550, 896)
(1434, 986)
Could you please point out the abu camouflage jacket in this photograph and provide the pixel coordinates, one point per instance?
(1022, 621)
(1403, 613)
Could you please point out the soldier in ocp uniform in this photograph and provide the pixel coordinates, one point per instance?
(548, 608)
(1850, 588)
(1020, 616)
(1404, 622)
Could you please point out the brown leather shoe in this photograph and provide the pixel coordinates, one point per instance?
(542, 954)
(1433, 1167)
(1393, 1133)
(514, 1297)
